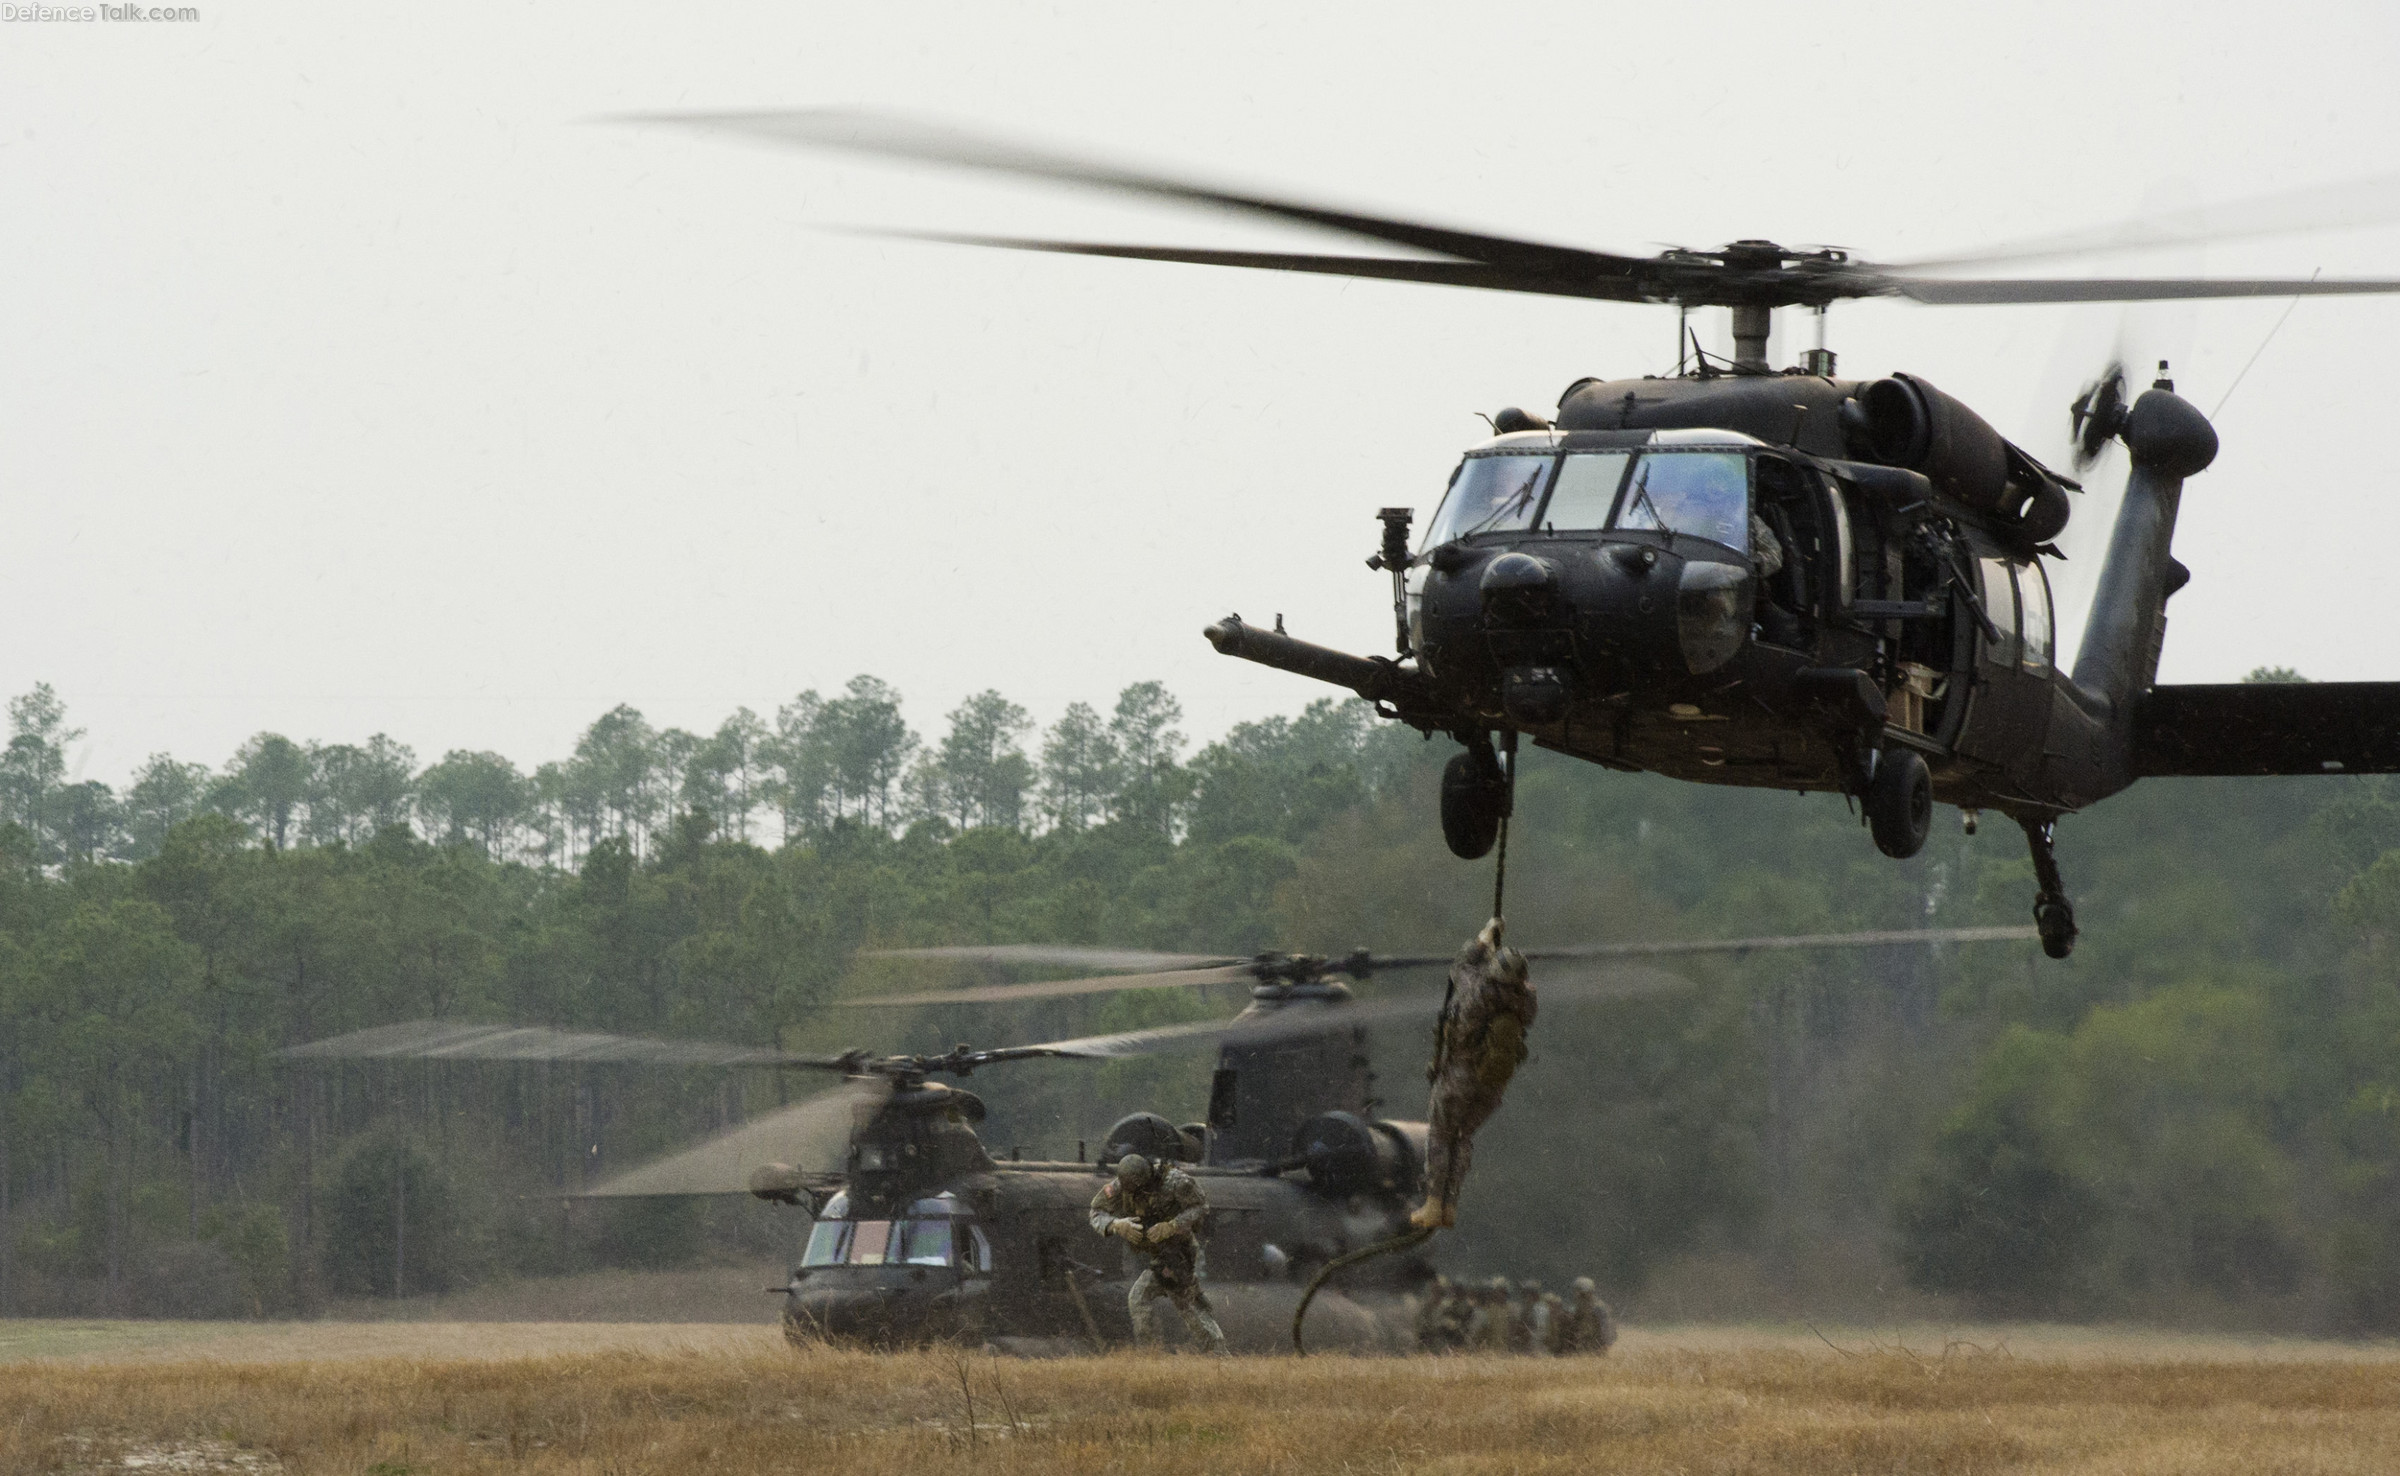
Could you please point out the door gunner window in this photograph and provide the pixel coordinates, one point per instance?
(2000, 603)
(1490, 494)
(1586, 488)
(2033, 590)
(1703, 493)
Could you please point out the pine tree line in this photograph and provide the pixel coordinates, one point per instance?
(823, 763)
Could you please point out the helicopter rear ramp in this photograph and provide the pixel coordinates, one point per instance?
(2261, 728)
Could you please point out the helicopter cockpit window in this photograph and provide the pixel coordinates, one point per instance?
(1490, 494)
(828, 1244)
(1703, 493)
(923, 1243)
(869, 1241)
(2033, 591)
(1584, 490)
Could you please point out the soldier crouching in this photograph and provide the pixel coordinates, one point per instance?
(1158, 1210)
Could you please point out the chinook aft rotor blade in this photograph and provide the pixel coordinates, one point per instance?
(892, 137)
(1313, 1017)
(1058, 988)
(1889, 938)
(812, 1134)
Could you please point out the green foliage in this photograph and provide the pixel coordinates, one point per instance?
(1996, 1214)
(391, 1222)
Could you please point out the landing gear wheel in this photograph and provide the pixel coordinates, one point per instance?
(2054, 918)
(1473, 794)
(1900, 803)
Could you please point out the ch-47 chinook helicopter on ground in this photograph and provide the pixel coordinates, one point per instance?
(1774, 578)
(920, 1233)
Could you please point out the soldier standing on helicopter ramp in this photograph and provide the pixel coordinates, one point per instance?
(1478, 1047)
(1158, 1209)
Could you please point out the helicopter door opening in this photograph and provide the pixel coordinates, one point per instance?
(2012, 703)
(1790, 556)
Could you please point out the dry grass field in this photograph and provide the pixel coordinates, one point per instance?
(1699, 1403)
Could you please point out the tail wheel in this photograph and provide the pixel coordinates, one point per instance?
(1473, 792)
(1900, 803)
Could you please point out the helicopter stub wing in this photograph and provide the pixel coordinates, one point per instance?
(2258, 728)
(812, 1134)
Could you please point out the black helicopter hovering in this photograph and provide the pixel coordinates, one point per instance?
(1770, 577)
(919, 1233)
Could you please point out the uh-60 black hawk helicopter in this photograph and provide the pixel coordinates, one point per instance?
(1774, 578)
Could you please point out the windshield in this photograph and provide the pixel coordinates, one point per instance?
(919, 1242)
(1585, 489)
(1703, 493)
(1489, 494)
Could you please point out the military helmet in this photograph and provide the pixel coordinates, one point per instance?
(1584, 1286)
(1133, 1170)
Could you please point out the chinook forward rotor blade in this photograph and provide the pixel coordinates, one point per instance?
(812, 1134)
(891, 137)
(2346, 205)
(451, 1040)
(1072, 955)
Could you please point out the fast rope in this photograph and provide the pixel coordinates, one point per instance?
(1410, 1239)
(1399, 1242)
(1508, 807)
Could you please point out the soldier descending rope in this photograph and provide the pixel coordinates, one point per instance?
(1478, 1046)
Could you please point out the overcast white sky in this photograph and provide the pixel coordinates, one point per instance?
(351, 381)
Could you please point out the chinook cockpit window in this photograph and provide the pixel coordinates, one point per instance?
(1490, 494)
(1703, 493)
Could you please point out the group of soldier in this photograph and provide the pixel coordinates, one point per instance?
(1494, 1317)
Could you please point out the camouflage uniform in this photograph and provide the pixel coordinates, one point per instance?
(1588, 1326)
(1480, 1044)
(1488, 1330)
(1550, 1324)
(1433, 1314)
(1532, 1329)
(1159, 1213)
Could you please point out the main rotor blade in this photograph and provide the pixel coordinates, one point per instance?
(2346, 205)
(1973, 290)
(1894, 937)
(451, 1040)
(1497, 278)
(812, 1134)
(1057, 988)
(1581, 986)
(1067, 954)
(892, 137)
